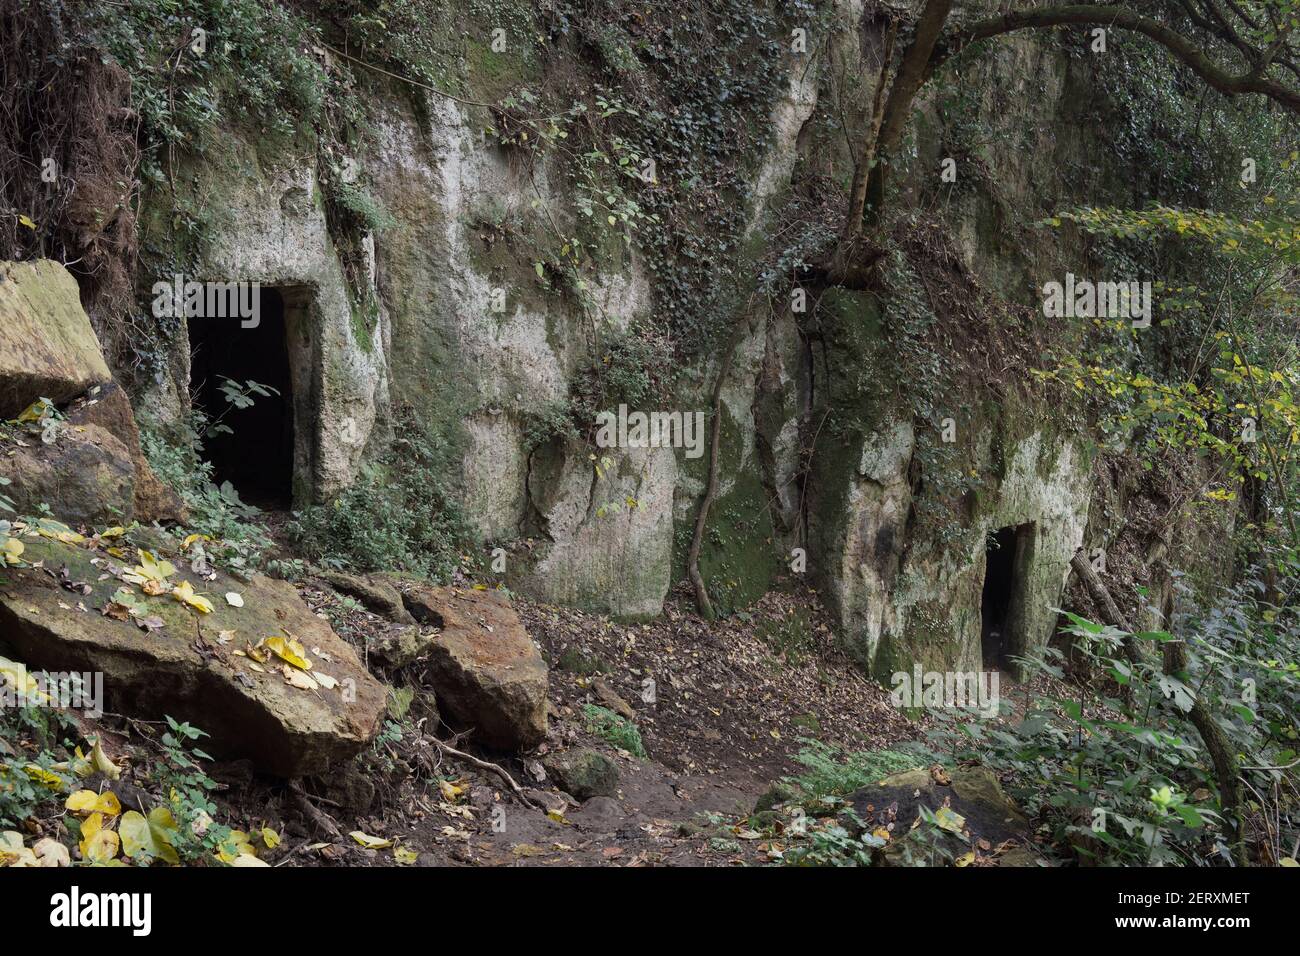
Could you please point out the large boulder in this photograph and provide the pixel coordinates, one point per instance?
(86, 477)
(485, 669)
(47, 346)
(62, 609)
(108, 407)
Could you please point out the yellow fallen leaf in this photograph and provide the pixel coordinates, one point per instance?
(101, 846)
(450, 792)
(150, 838)
(52, 853)
(245, 860)
(300, 679)
(289, 651)
(13, 852)
(88, 802)
(404, 856)
(966, 859)
(949, 819)
(184, 592)
(99, 760)
(13, 551)
(270, 838)
(370, 842)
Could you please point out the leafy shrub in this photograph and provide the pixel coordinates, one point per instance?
(238, 539)
(1128, 779)
(401, 514)
(829, 771)
(27, 782)
(619, 731)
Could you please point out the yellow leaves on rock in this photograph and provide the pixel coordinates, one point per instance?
(947, 818)
(300, 679)
(150, 838)
(288, 650)
(184, 592)
(12, 549)
(151, 569)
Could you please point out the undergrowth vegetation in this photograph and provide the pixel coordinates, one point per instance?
(400, 514)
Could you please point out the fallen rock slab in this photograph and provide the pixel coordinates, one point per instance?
(374, 593)
(971, 808)
(486, 671)
(48, 348)
(60, 610)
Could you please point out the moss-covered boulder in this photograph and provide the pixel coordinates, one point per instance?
(583, 773)
(68, 607)
(47, 346)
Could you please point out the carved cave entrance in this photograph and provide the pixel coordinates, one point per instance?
(252, 447)
(1007, 552)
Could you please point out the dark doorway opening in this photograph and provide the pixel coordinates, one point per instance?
(1006, 553)
(256, 454)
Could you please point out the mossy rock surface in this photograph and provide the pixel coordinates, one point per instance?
(52, 617)
(47, 346)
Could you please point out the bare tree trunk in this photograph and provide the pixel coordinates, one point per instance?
(912, 74)
(870, 140)
(1226, 770)
(702, 602)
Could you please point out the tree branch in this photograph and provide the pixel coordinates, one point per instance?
(1183, 49)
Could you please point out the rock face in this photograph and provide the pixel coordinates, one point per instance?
(583, 773)
(47, 346)
(485, 669)
(86, 476)
(184, 668)
(108, 408)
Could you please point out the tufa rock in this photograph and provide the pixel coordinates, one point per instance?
(485, 669)
(373, 592)
(48, 348)
(52, 617)
(86, 477)
(108, 407)
(973, 794)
